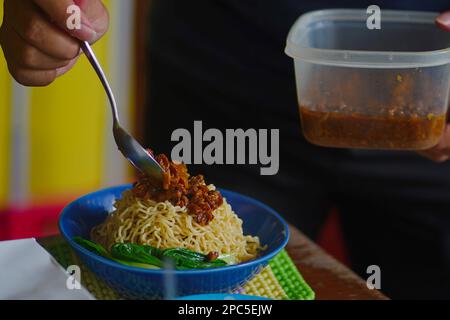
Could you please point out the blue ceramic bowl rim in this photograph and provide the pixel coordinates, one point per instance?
(221, 296)
(251, 263)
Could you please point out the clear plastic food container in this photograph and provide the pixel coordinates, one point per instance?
(362, 88)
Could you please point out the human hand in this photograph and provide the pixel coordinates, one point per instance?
(36, 41)
(441, 152)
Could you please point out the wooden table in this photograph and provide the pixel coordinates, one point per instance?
(329, 279)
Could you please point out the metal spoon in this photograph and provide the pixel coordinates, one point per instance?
(129, 147)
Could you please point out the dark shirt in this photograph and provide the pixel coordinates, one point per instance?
(223, 62)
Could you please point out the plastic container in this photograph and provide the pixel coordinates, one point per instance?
(385, 88)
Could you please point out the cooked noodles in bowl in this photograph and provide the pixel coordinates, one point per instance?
(184, 220)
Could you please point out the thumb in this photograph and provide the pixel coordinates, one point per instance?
(443, 20)
(94, 16)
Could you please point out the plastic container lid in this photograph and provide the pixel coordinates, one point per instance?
(312, 39)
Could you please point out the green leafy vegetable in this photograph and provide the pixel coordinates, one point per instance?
(98, 249)
(92, 246)
(149, 257)
(136, 253)
(188, 259)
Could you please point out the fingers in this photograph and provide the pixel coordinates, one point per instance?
(35, 29)
(66, 68)
(29, 77)
(443, 21)
(23, 75)
(440, 152)
(24, 55)
(97, 15)
(33, 77)
(57, 12)
(37, 43)
(94, 17)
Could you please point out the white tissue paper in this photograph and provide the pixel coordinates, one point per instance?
(28, 272)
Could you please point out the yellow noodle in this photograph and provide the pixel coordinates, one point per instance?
(163, 225)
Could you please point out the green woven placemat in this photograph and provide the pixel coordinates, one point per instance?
(279, 280)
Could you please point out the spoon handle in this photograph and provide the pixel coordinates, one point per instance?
(87, 49)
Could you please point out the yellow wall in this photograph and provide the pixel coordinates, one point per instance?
(5, 97)
(67, 131)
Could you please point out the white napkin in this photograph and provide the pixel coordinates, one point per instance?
(28, 272)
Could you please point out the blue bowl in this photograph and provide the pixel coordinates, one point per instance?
(223, 296)
(80, 216)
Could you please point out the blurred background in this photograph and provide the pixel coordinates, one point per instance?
(56, 142)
